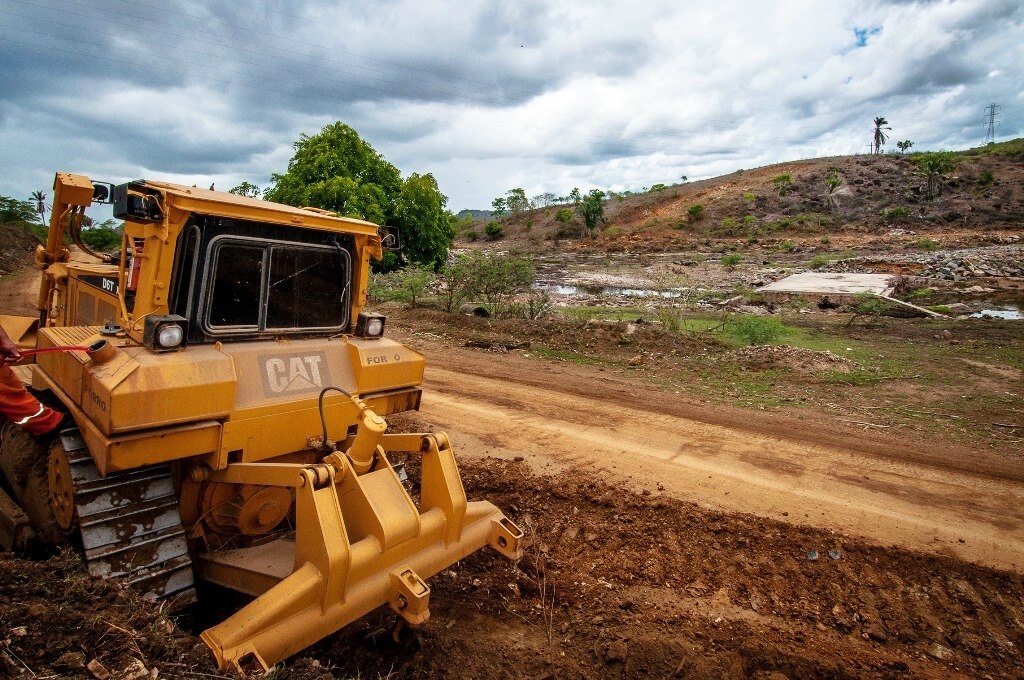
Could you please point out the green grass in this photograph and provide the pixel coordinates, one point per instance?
(585, 312)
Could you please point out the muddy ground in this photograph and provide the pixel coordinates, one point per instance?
(702, 511)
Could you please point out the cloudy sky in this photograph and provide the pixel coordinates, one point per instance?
(488, 95)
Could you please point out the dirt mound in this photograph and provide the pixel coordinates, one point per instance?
(16, 248)
(55, 619)
(796, 359)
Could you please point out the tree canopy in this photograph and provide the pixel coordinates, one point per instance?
(336, 170)
(13, 210)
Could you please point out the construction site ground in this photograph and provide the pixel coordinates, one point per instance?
(693, 509)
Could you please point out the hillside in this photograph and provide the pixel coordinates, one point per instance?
(883, 195)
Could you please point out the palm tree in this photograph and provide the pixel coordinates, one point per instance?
(933, 168)
(904, 146)
(834, 188)
(879, 140)
(40, 198)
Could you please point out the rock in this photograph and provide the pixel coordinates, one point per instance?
(939, 652)
(97, 670)
(70, 660)
(637, 360)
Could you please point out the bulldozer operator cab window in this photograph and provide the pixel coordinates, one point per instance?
(238, 280)
(260, 287)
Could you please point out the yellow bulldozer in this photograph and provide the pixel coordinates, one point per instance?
(225, 391)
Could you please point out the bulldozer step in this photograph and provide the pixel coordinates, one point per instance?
(130, 526)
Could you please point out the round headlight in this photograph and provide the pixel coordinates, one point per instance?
(374, 327)
(170, 335)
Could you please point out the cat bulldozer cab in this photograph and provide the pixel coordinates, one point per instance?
(225, 391)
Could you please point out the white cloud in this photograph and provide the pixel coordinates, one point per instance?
(491, 95)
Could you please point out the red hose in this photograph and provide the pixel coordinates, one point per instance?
(45, 350)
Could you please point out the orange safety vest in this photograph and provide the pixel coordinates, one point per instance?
(17, 405)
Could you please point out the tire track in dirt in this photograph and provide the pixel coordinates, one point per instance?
(888, 501)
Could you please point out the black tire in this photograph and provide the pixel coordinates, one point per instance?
(23, 460)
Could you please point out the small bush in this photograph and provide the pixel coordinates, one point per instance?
(787, 246)
(896, 214)
(695, 212)
(758, 330)
(748, 196)
(493, 231)
(749, 220)
(563, 216)
(825, 240)
(472, 234)
(732, 259)
(926, 244)
(985, 179)
(783, 183)
(819, 261)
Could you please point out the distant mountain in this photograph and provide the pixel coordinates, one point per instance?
(474, 214)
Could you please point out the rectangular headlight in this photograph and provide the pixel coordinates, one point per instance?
(165, 333)
(370, 325)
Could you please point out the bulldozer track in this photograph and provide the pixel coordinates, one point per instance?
(130, 526)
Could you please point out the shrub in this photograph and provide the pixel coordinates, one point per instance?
(749, 220)
(758, 330)
(985, 179)
(896, 214)
(926, 244)
(563, 216)
(787, 246)
(658, 187)
(493, 231)
(748, 196)
(732, 259)
(695, 212)
(405, 285)
(819, 261)
(472, 234)
(783, 183)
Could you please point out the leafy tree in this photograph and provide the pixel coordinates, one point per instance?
(336, 170)
(13, 210)
(879, 138)
(658, 187)
(544, 200)
(904, 146)
(40, 200)
(575, 196)
(498, 206)
(427, 228)
(499, 277)
(246, 189)
(458, 282)
(516, 201)
(103, 237)
(591, 209)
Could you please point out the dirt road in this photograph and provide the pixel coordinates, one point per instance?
(889, 492)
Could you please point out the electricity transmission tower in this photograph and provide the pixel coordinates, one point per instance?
(990, 138)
